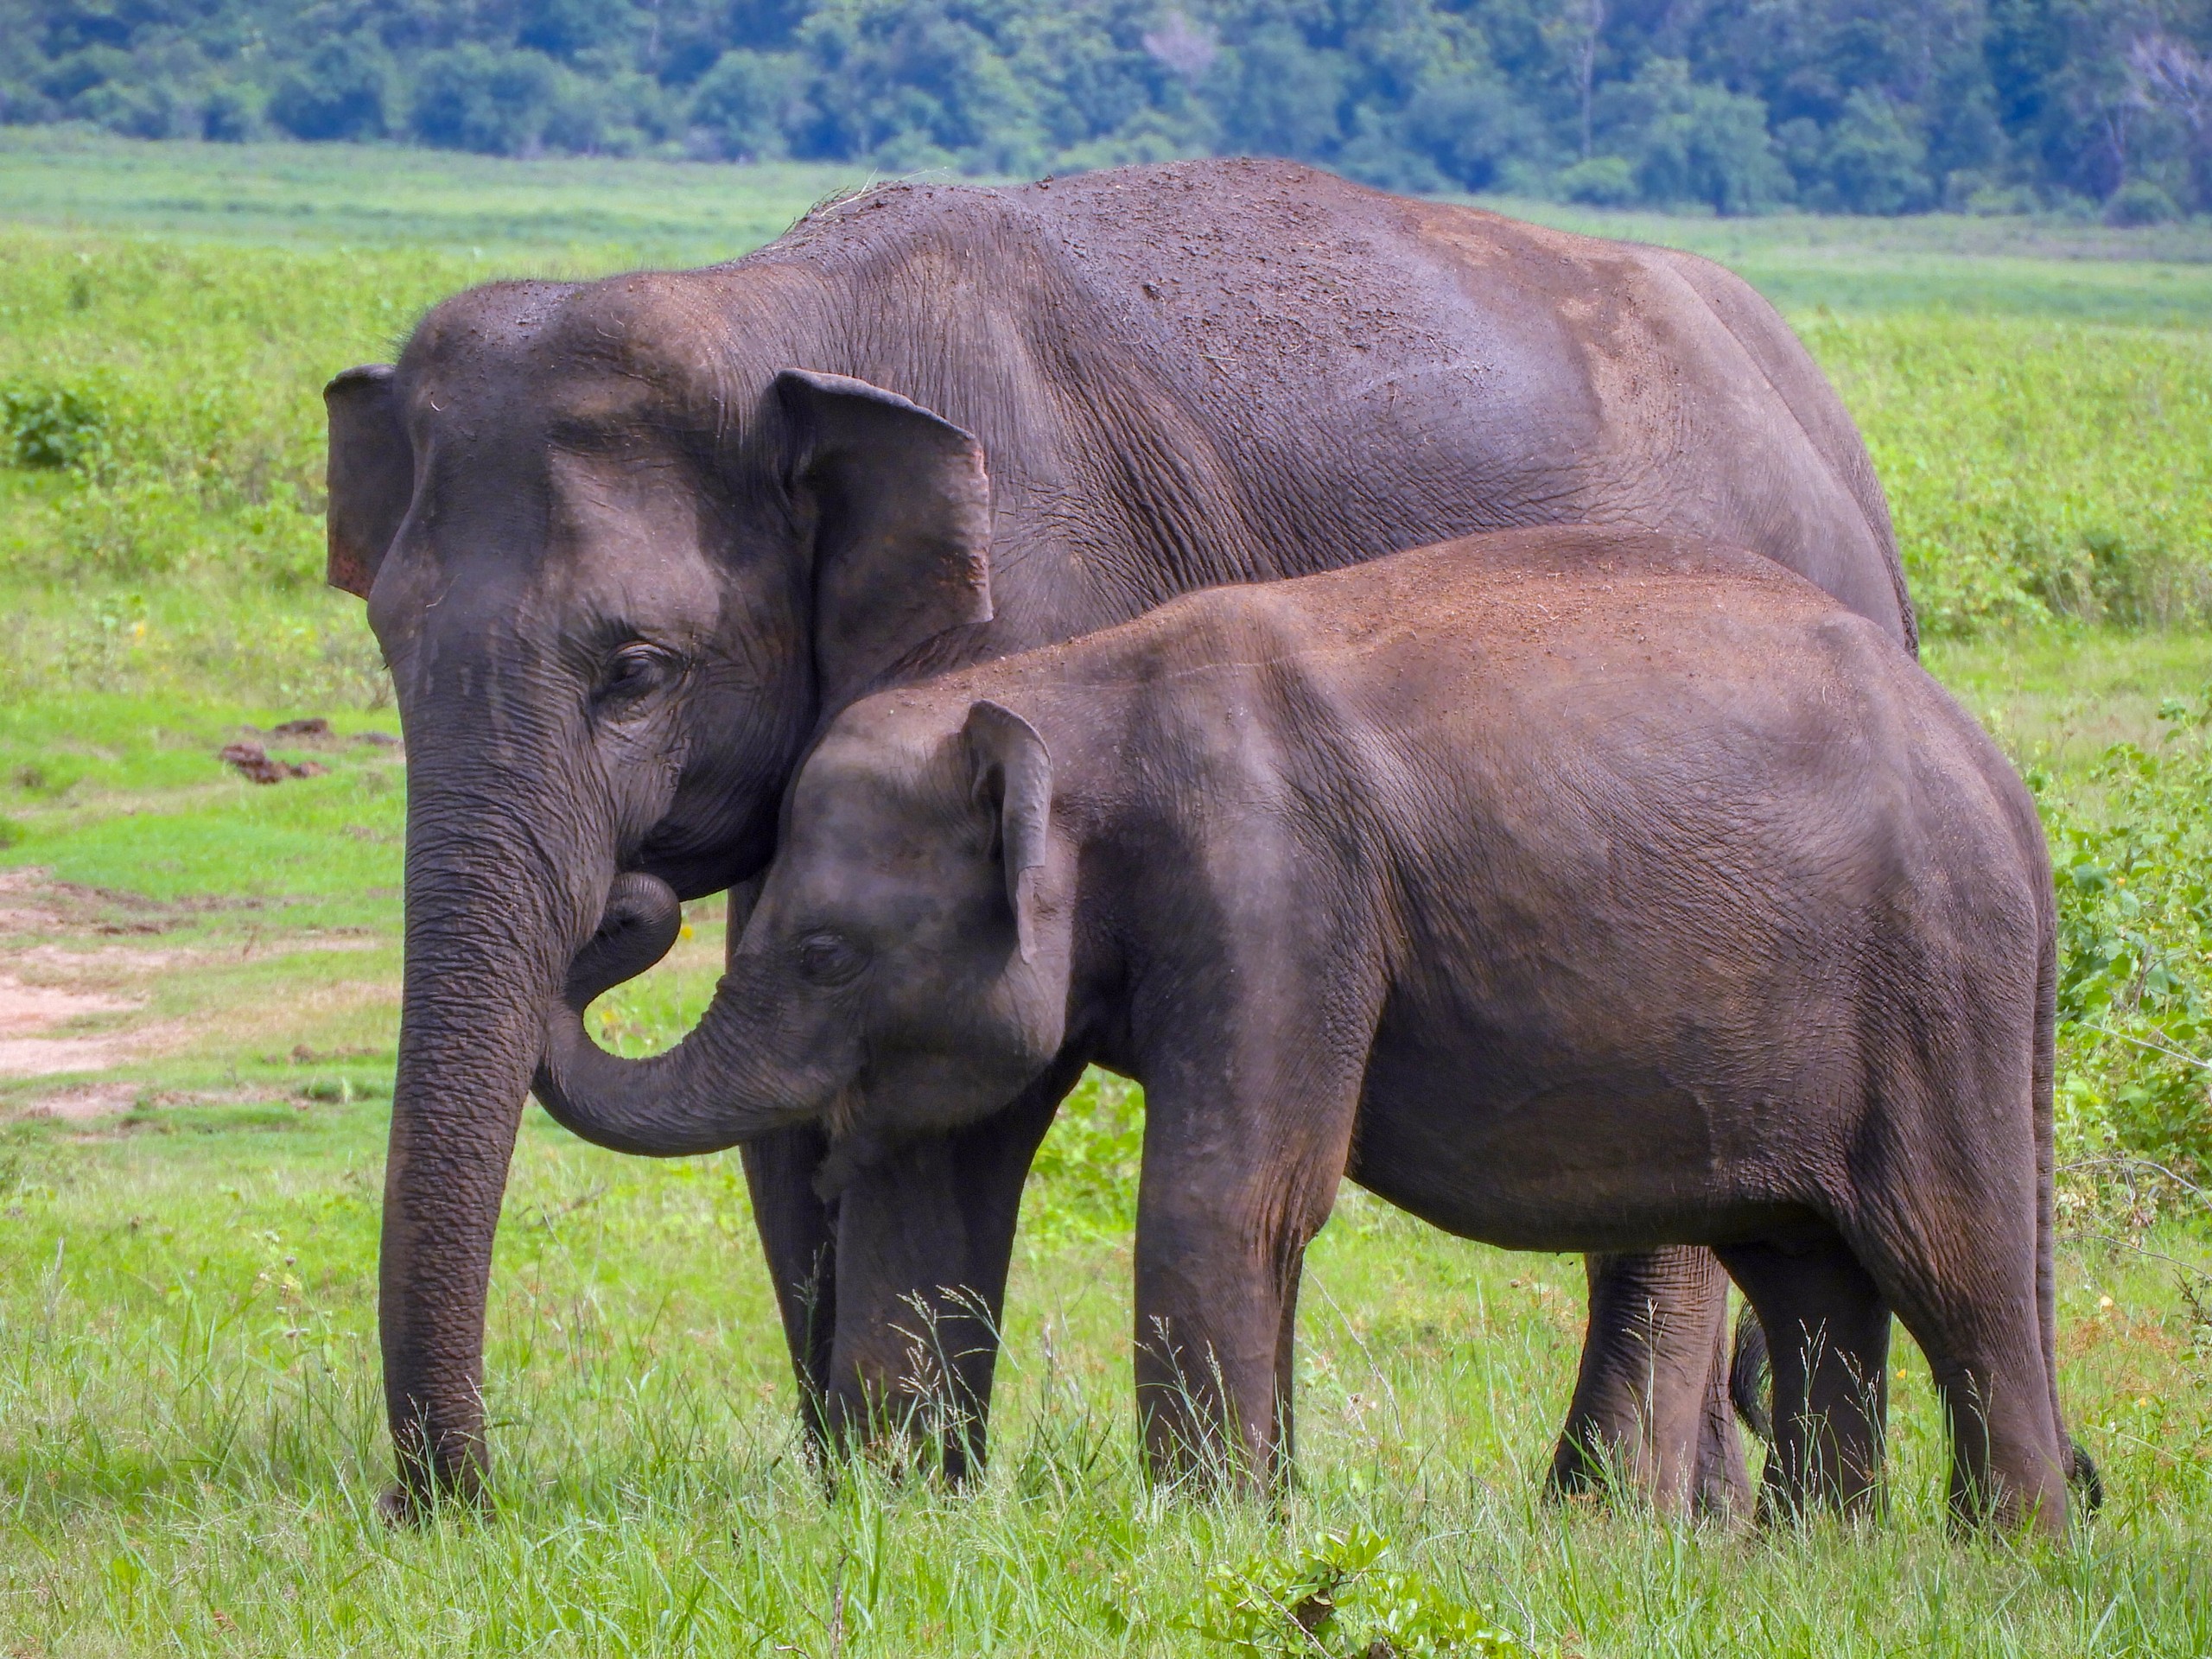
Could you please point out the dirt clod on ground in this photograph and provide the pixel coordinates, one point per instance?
(253, 762)
(314, 732)
(86, 1102)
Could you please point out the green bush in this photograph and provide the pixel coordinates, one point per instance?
(1600, 181)
(55, 426)
(2140, 202)
(2037, 468)
(2131, 853)
(1085, 1184)
(1331, 1602)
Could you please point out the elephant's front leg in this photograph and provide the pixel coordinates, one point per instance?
(798, 1236)
(1217, 1298)
(925, 1235)
(1651, 1405)
(1230, 1199)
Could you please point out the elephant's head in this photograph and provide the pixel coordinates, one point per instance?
(619, 558)
(904, 970)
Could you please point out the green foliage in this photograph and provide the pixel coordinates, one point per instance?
(2132, 851)
(1688, 143)
(1736, 104)
(745, 103)
(1086, 1171)
(2037, 469)
(344, 88)
(1871, 160)
(1330, 1601)
(1601, 181)
(54, 426)
(2140, 202)
(171, 396)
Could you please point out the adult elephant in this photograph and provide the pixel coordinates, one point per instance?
(627, 542)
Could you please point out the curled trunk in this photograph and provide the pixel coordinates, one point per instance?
(702, 1095)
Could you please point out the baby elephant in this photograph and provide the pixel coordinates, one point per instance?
(1573, 889)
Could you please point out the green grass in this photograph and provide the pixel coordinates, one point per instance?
(2038, 267)
(306, 195)
(190, 1431)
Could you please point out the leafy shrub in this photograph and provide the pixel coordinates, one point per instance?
(2036, 468)
(1874, 160)
(2131, 855)
(1085, 1174)
(1329, 1602)
(1692, 143)
(2140, 202)
(748, 102)
(1601, 181)
(55, 425)
(481, 98)
(343, 89)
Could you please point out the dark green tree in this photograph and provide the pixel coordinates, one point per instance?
(344, 89)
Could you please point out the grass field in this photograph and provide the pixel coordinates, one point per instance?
(206, 971)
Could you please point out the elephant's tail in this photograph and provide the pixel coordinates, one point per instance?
(1749, 1377)
(2080, 1472)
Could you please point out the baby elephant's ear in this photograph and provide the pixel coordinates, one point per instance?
(1013, 784)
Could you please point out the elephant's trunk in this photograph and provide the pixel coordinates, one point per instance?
(489, 932)
(703, 1095)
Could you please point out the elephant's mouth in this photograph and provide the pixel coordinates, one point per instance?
(853, 1145)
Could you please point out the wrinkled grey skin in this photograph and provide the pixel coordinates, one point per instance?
(627, 544)
(1573, 889)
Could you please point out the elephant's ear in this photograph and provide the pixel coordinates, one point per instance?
(371, 473)
(1013, 785)
(900, 505)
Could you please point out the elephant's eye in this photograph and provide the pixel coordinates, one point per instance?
(829, 959)
(635, 670)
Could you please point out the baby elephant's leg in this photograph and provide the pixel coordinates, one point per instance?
(1243, 1152)
(1216, 1310)
(1828, 1331)
(1252, 1085)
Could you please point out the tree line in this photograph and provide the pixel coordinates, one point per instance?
(1876, 107)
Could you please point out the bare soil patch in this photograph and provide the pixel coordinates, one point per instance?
(87, 1103)
(28, 1012)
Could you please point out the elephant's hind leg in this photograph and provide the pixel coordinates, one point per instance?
(1651, 1406)
(1828, 1331)
(1961, 1272)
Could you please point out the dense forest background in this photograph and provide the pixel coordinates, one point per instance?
(1879, 106)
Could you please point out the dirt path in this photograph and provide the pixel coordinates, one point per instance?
(29, 1013)
(70, 985)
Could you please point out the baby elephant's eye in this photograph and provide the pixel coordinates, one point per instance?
(829, 959)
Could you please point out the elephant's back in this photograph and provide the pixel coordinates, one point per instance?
(1289, 372)
(1660, 729)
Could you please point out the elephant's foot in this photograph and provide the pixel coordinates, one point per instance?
(400, 1505)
